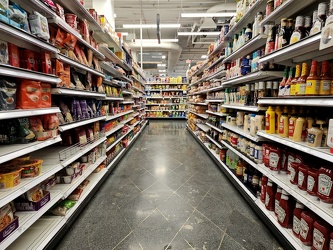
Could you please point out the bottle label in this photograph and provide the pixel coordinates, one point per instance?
(267, 199)
(300, 88)
(296, 36)
(292, 174)
(315, 28)
(255, 180)
(325, 87)
(322, 9)
(311, 138)
(291, 128)
(293, 89)
(290, 160)
(268, 116)
(312, 87)
(281, 214)
(300, 178)
(276, 209)
(311, 183)
(287, 90)
(324, 184)
(304, 229)
(273, 160)
(296, 225)
(318, 239)
(239, 170)
(331, 244)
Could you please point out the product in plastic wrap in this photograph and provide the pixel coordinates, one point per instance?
(34, 194)
(6, 216)
(84, 30)
(3, 52)
(4, 4)
(14, 55)
(81, 136)
(62, 208)
(29, 95)
(7, 95)
(61, 118)
(50, 122)
(39, 25)
(75, 195)
(66, 112)
(46, 63)
(18, 15)
(76, 110)
(50, 4)
(28, 60)
(77, 81)
(60, 11)
(90, 134)
(24, 132)
(71, 20)
(84, 109)
(36, 124)
(59, 38)
(70, 41)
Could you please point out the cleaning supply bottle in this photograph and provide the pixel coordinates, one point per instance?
(278, 113)
(270, 120)
(284, 123)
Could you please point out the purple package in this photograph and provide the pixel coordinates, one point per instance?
(74, 110)
(84, 109)
(79, 111)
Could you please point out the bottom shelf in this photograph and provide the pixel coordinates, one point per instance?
(287, 237)
(45, 230)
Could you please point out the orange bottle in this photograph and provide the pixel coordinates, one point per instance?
(313, 80)
(301, 83)
(288, 83)
(325, 79)
(294, 81)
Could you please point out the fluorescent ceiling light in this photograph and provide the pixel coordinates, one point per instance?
(220, 14)
(162, 71)
(150, 26)
(198, 33)
(124, 33)
(161, 65)
(114, 15)
(204, 57)
(156, 41)
(163, 57)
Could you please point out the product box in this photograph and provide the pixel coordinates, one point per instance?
(14, 55)
(24, 205)
(3, 52)
(28, 60)
(9, 229)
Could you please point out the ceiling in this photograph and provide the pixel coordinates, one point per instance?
(174, 54)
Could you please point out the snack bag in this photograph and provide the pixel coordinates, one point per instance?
(46, 95)
(29, 95)
(46, 63)
(3, 52)
(14, 55)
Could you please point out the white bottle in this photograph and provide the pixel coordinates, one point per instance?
(330, 135)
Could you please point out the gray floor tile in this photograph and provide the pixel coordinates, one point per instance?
(129, 243)
(173, 181)
(158, 193)
(229, 243)
(144, 181)
(124, 194)
(191, 193)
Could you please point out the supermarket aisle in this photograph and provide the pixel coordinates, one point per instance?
(168, 194)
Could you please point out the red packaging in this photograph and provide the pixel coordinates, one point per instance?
(29, 95)
(297, 218)
(306, 231)
(277, 200)
(270, 194)
(285, 211)
(331, 241)
(284, 165)
(275, 159)
(312, 183)
(46, 95)
(71, 20)
(321, 235)
(46, 63)
(290, 159)
(302, 177)
(14, 55)
(293, 177)
(28, 60)
(264, 180)
(325, 191)
(265, 154)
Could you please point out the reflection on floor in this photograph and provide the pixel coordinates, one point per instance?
(168, 194)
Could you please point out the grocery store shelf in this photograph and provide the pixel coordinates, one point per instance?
(216, 113)
(203, 127)
(164, 104)
(249, 15)
(10, 34)
(137, 89)
(7, 70)
(140, 73)
(73, 92)
(115, 129)
(164, 90)
(247, 48)
(137, 80)
(51, 165)
(71, 155)
(127, 51)
(72, 125)
(148, 117)
(9, 152)
(127, 120)
(198, 103)
(215, 142)
(221, 58)
(315, 101)
(17, 113)
(287, 233)
(127, 102)
(113, 58)
(135, 124)
(127, 92)
(165, 97)
(254, 77)
(284, 182)
(103, 36)
(214, 100)
(200, 70)
(205, 116)
(323, 153)
(26, 219)
(219, 73)
(204, 78)
(77, 65)
(240, 131)
(164, 83)
(111, 83)
(108, 118)
(118, 140)
(62, 24)
(110, 98)
(166, 110)
(111, 70)
(288, 8)
(246, 108)
(213, 127)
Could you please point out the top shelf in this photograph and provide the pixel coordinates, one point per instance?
(248, 17)
(200, 70)
(140, 73)
(253, 77)
(113, 58)
(315, 101)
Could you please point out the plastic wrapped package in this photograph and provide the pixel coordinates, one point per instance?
(50, 4)
(14, 55)
(29, 95)
(3, 52)
(39, 25)
(7, 95)
(62, 208)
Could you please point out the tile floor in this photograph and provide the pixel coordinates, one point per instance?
(167, 194)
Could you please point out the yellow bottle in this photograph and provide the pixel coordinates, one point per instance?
(300, 124)
(284, 123)
(270, 120)
(278, 113)
(292, 123)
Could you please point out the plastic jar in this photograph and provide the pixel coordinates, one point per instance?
(325, 190)
(314, 136)
(306, 231)
(299, 208)
(252, 149)
(258, 154)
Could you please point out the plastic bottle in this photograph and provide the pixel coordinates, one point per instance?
(278, 114)
(253, 130)
(282, 85)
(315, 135)
(277, 200)
(306, 231)
(285, 214)
(301, 83)
(288, 82)
(270, 194)
(299, 208)
(264, 180)
(294, 81)
(270, 120)
(313, 80)
(284, 123)
(325, 190)
(325, 132)
(325, 79)
(321, 235)
(312, 183)
(246, 117)
(300, 123)
(302, 178)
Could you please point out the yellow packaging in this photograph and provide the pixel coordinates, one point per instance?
(270, 120)
(11, 179)
(312, 87)
(300, 123)
(278, 113)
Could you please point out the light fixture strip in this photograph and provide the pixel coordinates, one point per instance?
(150, 26)
(198, 33)
(219, 14)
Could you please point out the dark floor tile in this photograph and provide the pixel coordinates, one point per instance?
(124, 194)
(176, 210)
(137, 210)
(144, 181)
(173, 181)
(191, 193)
(185, 172)
(241, 230)
(199, 233)
(129, 243)
(217, 210)
(229, 243)
(157, 193)
(155, 233)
